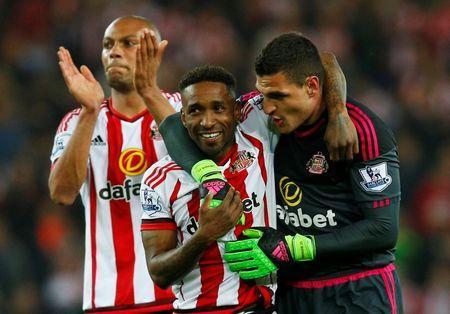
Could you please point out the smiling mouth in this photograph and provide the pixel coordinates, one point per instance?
(210, 137)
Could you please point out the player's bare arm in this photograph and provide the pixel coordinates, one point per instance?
(70, 169)
(148, 59)
(167, 263)
(340, 135)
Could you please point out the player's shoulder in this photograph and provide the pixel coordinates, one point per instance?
(172, 97)
(164, 169)
(253, 98)
(374, 135)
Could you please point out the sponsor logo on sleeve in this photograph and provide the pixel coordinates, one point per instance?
(151, 202)
(60, 142)
(376, 177)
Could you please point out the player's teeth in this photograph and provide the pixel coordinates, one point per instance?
(210, 135)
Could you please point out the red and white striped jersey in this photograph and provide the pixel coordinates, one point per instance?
(121, 150)
(170, 200)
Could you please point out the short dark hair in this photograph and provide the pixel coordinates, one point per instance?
(209, 73)
(294, 55)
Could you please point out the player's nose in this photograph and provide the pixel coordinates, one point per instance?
(207, 120)
(268, 107)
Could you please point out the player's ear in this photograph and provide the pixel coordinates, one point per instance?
(312, 85)
(237, 111)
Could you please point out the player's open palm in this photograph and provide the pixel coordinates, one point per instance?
(81, 82)
(216, 222)
(148, 59)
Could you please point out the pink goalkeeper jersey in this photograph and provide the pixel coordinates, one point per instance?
(170, 200)
(121, 150)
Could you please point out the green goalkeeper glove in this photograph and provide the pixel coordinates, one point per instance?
(265, 250)
(211, 180)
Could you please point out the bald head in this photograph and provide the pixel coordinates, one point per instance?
(145, 22)
(120, 42)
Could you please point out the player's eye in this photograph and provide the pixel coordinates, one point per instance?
(130, 43)
(107, 44)
(219, 108)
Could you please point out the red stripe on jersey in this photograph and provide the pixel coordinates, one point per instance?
(147, 141)
(164, 175)
(361, 136)
(123, 117)
(148, 224)
(246, 111)
(174, 196)
(244, 98)
(310, 130)
(237, 180)
(159, 172)
(369, 130)
(210, 265)
(122, 227)
(262, 166)
(93, 224)
(65, 120)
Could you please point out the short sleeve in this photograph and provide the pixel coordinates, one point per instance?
(63, 133)
(254, 120)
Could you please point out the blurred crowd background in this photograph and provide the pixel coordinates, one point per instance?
(396, 57)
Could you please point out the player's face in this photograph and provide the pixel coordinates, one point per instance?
(120, 42)
(289, 104)
(210, 115)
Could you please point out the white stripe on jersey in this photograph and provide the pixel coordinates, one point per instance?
(104, 243)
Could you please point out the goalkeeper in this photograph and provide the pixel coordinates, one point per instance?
(337, 221)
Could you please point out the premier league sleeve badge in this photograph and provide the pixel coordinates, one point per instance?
(376, 177)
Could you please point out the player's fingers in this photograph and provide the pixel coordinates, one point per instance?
(150, 47)
(241, 245)
(243, 265)
(238, 256)
(207, 200)
(229, 197)
(161, 48)
(69, 62)
(356, 147)
(342, 153)
(143, 50)
(138, 71)
(87, 73)
(253, 274)
(349, 152)
(334, 153)
(154, 42)
(63, 69)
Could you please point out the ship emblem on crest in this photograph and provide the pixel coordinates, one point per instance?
(317, 164)
(243, 160)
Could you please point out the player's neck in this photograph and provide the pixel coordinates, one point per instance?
(317, 113)
(129, 105)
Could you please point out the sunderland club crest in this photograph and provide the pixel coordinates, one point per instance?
(376, 178)
(317, 164)
(243, 160)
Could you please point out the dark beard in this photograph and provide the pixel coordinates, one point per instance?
(120, 86)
